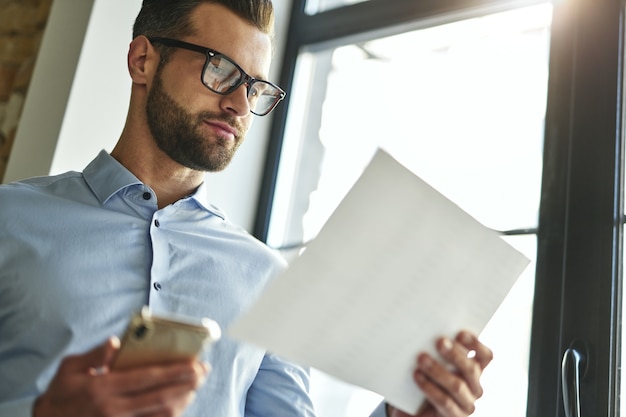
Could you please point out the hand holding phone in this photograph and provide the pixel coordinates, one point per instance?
(150, 339)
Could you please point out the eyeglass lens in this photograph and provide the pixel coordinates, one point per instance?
(222, 76)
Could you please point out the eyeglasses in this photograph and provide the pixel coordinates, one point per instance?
(223, 76)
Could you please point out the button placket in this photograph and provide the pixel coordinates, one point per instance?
(160, 268)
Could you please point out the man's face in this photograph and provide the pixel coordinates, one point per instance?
(195, 127)
(181, 134)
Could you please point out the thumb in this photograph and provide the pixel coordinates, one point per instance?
(95, 361)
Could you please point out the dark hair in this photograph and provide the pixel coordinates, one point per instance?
(171, 18)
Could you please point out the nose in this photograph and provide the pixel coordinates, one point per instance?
(236, 102)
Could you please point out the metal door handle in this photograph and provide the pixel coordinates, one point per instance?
(571, 373)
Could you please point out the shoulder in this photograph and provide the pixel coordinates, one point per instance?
(41, 190)
(39, 183)
(245, 244)
(261, 248)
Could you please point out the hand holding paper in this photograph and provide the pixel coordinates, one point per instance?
(451, 387)
(396, 266)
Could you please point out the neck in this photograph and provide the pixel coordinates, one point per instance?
(169, 180)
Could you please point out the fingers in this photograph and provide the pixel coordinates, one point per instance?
(84, 386)
(153, 391)
(465, 366)
(470, 357)
(166, 401)
(95, 360)
(439, 399)
(482, 354)
(447, 392)
(453, 389)
(189, 375)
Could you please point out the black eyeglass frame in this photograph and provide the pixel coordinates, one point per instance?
(212, 53)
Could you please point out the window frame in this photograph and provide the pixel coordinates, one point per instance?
(578, 287)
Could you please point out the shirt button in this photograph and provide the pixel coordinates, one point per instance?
(157, 286)
(147, 196)
(157, 224)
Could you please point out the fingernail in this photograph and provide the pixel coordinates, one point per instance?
(115, 342)
(446, 345)
(425, 362)
(100, 370)
(191, 398)
(206, 367)
(466, 338)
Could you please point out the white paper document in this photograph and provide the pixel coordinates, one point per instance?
(396, 266)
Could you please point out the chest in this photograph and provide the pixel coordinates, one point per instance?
(86, 274)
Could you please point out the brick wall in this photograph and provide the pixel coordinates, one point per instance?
(21, 28)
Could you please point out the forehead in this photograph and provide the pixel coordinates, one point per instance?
(220, 29)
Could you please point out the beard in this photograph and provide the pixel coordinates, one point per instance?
(178, 133)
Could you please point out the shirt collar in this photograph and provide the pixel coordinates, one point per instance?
(201, 197)
(105, 176)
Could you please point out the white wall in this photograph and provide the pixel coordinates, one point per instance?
(78, 97)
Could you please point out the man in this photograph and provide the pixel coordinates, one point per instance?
(80, 252)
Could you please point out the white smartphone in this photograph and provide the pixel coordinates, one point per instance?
(151, 339)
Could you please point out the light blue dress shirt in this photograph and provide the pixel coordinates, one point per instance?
(80, 252)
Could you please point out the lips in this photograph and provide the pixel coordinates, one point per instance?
(222, 128)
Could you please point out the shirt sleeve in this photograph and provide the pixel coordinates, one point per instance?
(17, 408)
(380, 411)
(280, 389)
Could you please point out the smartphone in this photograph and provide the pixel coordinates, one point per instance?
(157, 339)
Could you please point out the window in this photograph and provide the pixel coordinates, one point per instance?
(458, 94)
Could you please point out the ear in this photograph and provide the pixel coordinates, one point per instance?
(143, 60)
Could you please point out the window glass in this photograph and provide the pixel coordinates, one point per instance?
(463, 106)
(319, 6)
